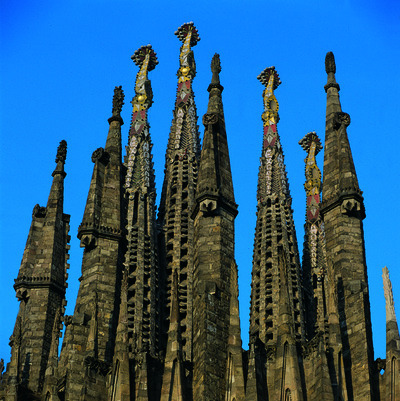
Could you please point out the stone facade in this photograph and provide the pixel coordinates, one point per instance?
(157, 314)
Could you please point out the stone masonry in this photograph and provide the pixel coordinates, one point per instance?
(157, 312)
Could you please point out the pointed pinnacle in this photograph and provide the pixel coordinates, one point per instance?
(118, 101)
(215, 68)
(330, 68)
(61, 152)
(330, 65)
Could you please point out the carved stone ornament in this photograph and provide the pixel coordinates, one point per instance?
(350, 207)
(61, 152)
(340, 119)
(210, 119)
(39, 211)
(100, 155)
(330, 65)
(118, 101)
(98, 366)
(215, 68)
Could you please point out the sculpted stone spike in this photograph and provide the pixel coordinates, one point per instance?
(215, 68)
(62, 152)
(387, 288)
(118, 101)
(330, 65)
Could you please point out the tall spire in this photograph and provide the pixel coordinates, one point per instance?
(178, 195)
(215, 178)
(92, 328)
(40, 288)
(314, 268)
(141, 257)
(275, 239)
(274, 228)
(217, 370)
(340, 180)
(343, 211)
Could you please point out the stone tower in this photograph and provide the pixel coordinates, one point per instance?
(40, 289)
(157, 312)
(217, 346)
(276, 311)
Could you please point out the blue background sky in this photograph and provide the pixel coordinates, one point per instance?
(61, 61)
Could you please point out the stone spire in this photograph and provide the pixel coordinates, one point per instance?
(343, 211)
(141, 262)
(215, 170)
(340, 180)
(216, 343)
(275, 235)
(92, 328)
(178, 196)
(323, 335)
(274, 228)
(40, 288)
(314, 268)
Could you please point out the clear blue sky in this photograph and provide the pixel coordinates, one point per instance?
(61, 60)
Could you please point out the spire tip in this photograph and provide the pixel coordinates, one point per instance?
(215, 68)
(61, 152)
(330, 65)
(183, 31)
(118, 101)
(265, 75)
(140, 55)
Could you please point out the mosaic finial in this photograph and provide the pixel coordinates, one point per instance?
(187, 33)
(184, 30)
(270, 78)
(139, 57)
(264, 77)
(145, 58)
(312, 145)
(118, 100)
(308, 140)
(330, 65)
(61, 152)
(215, 68)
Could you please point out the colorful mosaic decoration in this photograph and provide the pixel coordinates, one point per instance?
(272, 151)
(139, 139)
(312, 145)
(189, 36)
